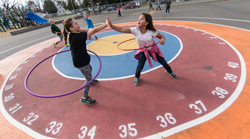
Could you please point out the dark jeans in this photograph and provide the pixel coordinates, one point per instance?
(167, 9)
(151, 7)
(142, 60)
(158, 7)
(119, 13)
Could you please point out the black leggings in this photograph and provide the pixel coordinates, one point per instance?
(142, 60)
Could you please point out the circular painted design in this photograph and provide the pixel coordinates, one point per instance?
(211, 74)
(122, 63)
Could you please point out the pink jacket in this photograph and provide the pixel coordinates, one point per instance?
(154, 49)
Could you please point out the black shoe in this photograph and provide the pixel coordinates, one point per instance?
(172, 75)
(136, 81)
(88, 101)
(94, 82)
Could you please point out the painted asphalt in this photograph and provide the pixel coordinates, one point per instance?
(203, 106)
(201, 98)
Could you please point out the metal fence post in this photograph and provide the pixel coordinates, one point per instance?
(3, 28)
(14, 18)
(10, 19)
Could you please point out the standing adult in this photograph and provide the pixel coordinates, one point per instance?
(158, 5)
(119, 11)
(168, 6)
(150, 5)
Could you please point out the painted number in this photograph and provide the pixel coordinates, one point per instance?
(220, 92)
(231, 77)
(15, 108)
(198, 110)
(233, 65)
(8, 98)
(170, 119)
(28, 120)
(52, 126)
(84, 129)
(132, 131)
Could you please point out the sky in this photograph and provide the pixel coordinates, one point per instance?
(23, 2)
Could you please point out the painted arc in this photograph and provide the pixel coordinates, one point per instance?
(122, 63)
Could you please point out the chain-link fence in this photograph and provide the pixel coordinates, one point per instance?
(123, 6)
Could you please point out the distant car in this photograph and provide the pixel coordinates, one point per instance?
(85, 12)
(129, 6)
(137, 3)
(97, 10)
(111, 8)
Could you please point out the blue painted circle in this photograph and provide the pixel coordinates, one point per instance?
(115, 66)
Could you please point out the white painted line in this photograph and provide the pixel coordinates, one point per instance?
(23, 44)
(124, 77)
(216, 111)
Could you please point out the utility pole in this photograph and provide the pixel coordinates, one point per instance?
(72, 6)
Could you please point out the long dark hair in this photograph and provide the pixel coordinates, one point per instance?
(148, 18)
(67, 23)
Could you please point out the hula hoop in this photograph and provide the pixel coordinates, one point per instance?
(132, 49)
(27, 76)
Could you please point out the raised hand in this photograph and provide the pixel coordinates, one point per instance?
(108, 22)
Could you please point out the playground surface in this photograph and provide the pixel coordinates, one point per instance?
(210, 98)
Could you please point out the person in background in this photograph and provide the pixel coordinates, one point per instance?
(150, 5)
(90, 24)
(158, 5)
(168, 6)
(57, 31)
(119, 12)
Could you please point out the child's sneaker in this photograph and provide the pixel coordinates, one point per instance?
(96, 38)
(54, 45)
(66, 44)
(136, 81)
(88, 101)
(94, 82)
(172, 75)
(89, 38)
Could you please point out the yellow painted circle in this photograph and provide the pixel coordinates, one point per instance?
(108, 45)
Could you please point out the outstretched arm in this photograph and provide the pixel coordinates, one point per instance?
(84, 30)
(95, 30)
(162, 38)
(120, 29)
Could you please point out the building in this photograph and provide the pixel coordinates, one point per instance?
(60, 9)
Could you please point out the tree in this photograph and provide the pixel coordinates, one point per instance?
(49, 6)
(75, 6)
(79, 2)
(93, 5)
(8, 4)
(85, 3)
(37, 2)
(34, 6)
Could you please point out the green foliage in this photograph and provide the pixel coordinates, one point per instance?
(85, 3)
(49, 6)
(74, 3)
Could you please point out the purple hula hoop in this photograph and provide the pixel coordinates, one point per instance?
(27, 76)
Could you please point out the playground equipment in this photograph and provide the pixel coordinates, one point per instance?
(12, 19)
(18, 17)
(36, 18)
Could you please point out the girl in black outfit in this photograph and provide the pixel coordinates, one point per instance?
(80, 57)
